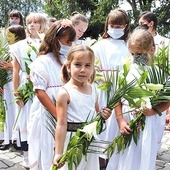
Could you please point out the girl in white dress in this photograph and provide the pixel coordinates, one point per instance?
(76, 101)
(45, 75)
(14, 34)
(22, 53)
(112, 51)
(143, 155)
(150, 20)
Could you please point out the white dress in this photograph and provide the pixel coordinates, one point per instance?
(143, 155)
(3, 42)
(161, 42)
(81, 107)
(20, 51)
(10, 112)
(8, 97)
(45, 75)
(111, 53)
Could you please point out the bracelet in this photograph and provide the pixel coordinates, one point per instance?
(17, 94)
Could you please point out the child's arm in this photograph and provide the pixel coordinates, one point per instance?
(61, 128)
(16, 80)
(46, 101)
(122, 123)
(161, 107)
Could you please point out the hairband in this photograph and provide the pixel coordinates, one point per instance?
(64, 24)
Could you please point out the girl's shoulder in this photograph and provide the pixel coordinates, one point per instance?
(20, 43)
(46, 57)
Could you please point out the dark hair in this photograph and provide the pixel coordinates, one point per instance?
(16, 13)
(118, 17)
(149, 16)
(52, 19)
(50, 42)
(18, 30)
(144, 26)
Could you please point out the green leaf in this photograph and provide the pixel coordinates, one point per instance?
(137, 92)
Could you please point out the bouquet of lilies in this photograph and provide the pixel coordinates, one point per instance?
(6, 77)
(152, 88)
(116, 87)
(25, 90)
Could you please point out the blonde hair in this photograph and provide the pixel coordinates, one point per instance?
(141, 39)
(73, 53)
(40, 18)
(76, 18)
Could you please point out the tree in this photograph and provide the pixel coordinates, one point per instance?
(97, 11)
(162, 12)
(25, 6)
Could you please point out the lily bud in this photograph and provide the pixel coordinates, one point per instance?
(152, 86)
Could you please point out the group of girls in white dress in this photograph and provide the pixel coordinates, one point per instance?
(39, 59)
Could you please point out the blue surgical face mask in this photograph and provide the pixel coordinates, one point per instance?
(13, 22)
(140, 59)
(115, 33)
(63, 49)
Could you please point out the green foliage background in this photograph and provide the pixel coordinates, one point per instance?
(96, 10)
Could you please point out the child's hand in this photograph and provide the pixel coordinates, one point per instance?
(123, 126)
(106, 112)
(5, 65)
(56, 159)
(20, 103)
(1, 90)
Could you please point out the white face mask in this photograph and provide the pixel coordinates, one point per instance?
(63, 49)
(115, 33)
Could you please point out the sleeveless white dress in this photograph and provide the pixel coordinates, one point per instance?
(45, 75)
(81, 107)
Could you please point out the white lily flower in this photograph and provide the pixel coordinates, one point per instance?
(29, 50)
(90, 130)
(146, 103)
(152, 86)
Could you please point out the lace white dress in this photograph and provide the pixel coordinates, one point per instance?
(45, 75)
(81, 109)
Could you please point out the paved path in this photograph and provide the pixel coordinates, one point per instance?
(12, 159)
